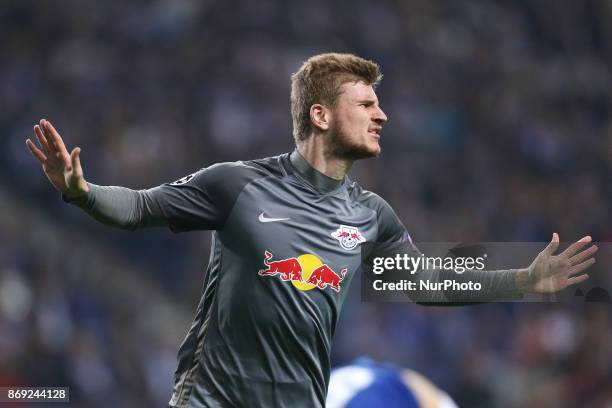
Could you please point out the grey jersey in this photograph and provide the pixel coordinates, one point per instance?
(286, 244)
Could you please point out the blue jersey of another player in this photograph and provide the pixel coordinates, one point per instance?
(367, 383)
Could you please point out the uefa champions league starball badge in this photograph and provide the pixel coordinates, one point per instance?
(349, 237)
(183, 180)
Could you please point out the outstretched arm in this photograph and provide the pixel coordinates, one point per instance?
(115, 206)
(199, 201)
(548, 273)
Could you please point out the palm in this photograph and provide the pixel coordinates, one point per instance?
(56, 169)
(550, 273)
(63, 169)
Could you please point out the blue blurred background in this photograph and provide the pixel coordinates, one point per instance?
(499, 130)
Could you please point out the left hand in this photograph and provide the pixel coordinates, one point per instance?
(550, 273)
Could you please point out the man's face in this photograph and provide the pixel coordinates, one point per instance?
(356, 122)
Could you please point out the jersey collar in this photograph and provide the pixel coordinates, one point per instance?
(320, 181)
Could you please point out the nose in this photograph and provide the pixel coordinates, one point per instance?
(379, 116)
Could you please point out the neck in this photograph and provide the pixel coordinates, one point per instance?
(320, 157)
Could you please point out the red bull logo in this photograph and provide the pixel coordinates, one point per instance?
(305, 272)
(348, 237)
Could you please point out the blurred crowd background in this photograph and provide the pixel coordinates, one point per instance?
(499, 130)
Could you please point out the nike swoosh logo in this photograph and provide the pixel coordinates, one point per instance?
(263, 218)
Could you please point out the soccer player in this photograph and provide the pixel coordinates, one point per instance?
(287, 237)
(367, 383)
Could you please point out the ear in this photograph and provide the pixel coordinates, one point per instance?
(320, 116)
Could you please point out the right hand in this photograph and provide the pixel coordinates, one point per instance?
(62, 169)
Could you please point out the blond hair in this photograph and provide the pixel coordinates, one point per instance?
(319, 80)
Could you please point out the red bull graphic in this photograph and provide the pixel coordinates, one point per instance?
(305, 272)
(288, 269)
(324, 276)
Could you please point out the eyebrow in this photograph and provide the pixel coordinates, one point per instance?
(371, 101)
